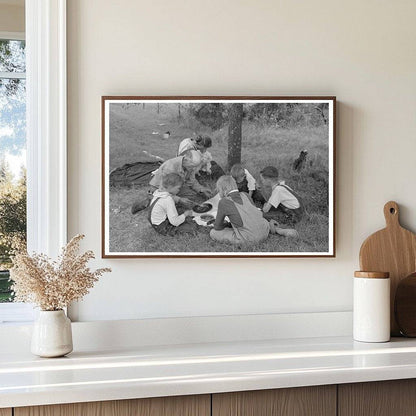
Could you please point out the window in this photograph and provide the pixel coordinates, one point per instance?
(45, 27)
(12, 153)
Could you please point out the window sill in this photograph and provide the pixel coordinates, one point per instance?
(16, 313)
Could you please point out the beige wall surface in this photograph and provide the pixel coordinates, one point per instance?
(12, 18)
(360, 51)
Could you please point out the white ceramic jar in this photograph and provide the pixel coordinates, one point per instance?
(52, 334)
(371, 305)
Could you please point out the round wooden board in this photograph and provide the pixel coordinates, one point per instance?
(405, 306)
(393, 250)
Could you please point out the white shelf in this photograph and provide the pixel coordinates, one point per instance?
(151, 371)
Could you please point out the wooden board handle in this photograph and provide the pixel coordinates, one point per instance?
(391, 214)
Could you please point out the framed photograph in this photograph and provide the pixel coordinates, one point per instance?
(218, 176)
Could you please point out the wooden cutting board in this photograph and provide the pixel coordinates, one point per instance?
(393, 250)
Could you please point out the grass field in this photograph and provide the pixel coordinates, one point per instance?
(131, 131)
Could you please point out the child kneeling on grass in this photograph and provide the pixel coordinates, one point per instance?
(244, 179)
(247, 222)
(163, 215)
(284, 204)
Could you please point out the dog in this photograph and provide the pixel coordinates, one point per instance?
(300, 162)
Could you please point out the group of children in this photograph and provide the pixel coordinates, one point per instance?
(279, 201)
(239, 219)
(279, 204)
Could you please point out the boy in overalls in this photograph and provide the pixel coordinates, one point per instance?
(246, 221)
(163, 215)
(284, 205)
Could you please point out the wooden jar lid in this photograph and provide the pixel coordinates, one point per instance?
(372, 275)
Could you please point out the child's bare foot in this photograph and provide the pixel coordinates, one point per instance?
(287, 232)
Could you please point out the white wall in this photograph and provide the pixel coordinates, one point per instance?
(360, 51)
(12, 18)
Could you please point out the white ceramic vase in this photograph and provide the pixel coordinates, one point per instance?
(52, 334)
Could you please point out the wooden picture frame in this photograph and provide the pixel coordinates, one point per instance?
(294, 135)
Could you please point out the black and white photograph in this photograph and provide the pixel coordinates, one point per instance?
(218, 176)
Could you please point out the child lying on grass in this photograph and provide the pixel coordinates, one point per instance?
(247, 222)
(284, 205)
(163, 215)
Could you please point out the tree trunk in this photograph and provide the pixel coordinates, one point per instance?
(235, 117)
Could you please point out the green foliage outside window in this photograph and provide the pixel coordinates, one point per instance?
(12, 223)
(12, 145)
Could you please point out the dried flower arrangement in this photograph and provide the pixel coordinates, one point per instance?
(53, 285)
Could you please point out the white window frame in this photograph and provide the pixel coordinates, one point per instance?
(46, 127)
